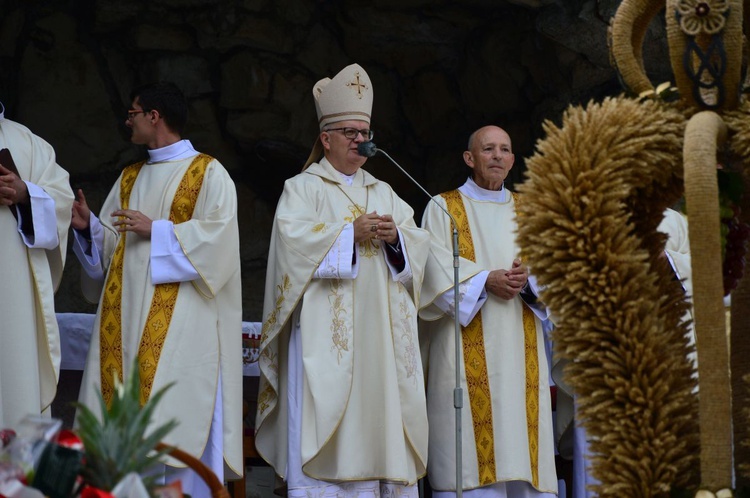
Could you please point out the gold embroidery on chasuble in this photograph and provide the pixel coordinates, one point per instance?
(165, 295)
(475, 358)
(367, 249)
(267, 397)
(532, 381)
(532, 391)
(339, 329)
(476, 366)
(110, 322)
(410, 353)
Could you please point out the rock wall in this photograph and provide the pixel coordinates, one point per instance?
(440, 69)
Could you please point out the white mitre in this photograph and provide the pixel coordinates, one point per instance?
(347, 96)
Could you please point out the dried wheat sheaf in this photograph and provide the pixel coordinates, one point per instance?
(595, 193)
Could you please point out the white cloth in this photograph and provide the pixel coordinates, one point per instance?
(348, 329)
(31, 270)
(203, 346)
(491, 216)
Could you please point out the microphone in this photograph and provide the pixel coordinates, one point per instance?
(369, 149)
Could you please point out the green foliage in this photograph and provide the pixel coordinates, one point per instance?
(119, 444)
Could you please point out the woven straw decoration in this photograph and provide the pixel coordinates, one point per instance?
(597, 186)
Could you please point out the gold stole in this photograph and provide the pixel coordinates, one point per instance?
(475, 365)
(165, 295)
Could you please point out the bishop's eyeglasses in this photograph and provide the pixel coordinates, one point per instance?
(351, 133)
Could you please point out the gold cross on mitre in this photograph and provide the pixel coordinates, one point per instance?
(357, 84)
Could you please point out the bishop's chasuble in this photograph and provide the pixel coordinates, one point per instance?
(193, 340)
(29, 336)
(506, 417)
(363, 409)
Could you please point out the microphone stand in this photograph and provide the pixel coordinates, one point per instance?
(458, 398)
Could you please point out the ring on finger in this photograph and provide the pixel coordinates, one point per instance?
(373, 228)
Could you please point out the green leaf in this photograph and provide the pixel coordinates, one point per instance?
(120, 442)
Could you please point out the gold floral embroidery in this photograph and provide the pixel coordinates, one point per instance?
(702, 16)
(367, 249)
(268, 355)
(270, 360)
(339, 330)
(320, 227)
(410, 351)
(356, 211)
(273, 316)
(265, 398)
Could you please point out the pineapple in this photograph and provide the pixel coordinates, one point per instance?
(118, 444)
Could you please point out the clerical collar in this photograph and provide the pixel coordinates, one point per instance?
(2, 111)
(178, 150)
(349, 179)
(474, 191)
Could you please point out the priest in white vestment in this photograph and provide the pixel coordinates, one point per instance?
(507, 440)
(341, 406)
(164, 258)
(35, 203)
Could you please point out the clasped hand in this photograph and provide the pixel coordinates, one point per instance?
(134, 221)
(506, 284)
(128, 220)
(13, 190)
(374, 226)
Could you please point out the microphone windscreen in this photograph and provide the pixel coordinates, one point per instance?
(367, 149)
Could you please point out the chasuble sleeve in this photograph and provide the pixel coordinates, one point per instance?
(301, 237)
(415, 243)
(439, 270)
(37, 164)
(91, 287)
(210, 240)
(305, 230)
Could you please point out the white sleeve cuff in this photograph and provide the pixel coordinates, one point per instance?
(540, 309)
(405, 275)
(91, 264)
(168, 261)
(471, 297)
(43, 219)
(338, 262)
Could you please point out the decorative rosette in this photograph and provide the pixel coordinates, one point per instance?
(702, 16)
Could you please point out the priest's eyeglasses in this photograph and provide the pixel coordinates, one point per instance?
(351, 133)
(134, 112)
